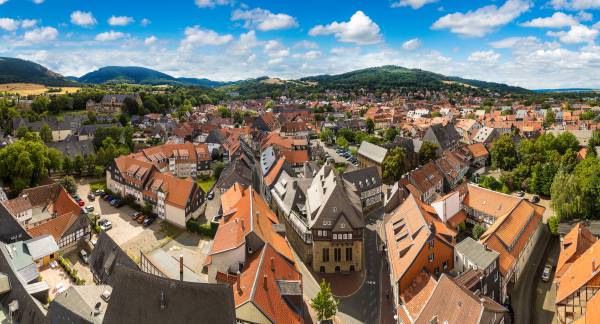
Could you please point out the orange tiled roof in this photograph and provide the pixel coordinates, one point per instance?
(68, 212)
(582, 270)
(478, 150)
(503, 236)
(576, 242)
(489, 202)
(416, 295)
(272, 175)
(592, 311)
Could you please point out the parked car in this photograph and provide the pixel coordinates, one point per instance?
(535, 199)
(108, 197)
(99, 192)
(520, 193)
(149, 220)
(84, 256)
(135, 215)
(104, 224)
(76, 197)
(140, 219)
(120, 203)
(81, 203)
(91, 197)
(88, 209)
(210, 195)
(547, 272)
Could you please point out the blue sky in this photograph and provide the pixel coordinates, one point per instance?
(535, 44)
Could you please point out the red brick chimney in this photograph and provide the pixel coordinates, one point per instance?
(181, 267)
(272, 264)
(239, 283)
(265, 282)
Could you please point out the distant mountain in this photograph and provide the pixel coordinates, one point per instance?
(140, 75)
(393, 77)
(566, 90)
(14, 70)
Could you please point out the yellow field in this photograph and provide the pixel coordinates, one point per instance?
(27, 89)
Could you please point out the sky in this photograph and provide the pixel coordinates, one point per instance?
(533, 44)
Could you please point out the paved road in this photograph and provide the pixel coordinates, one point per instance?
(522, 294)
(364, 305)
(544, 295)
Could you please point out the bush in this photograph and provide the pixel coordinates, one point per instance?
(209, 229)
(478, 230)
(66, 265)
(98, 186)
(553, 224)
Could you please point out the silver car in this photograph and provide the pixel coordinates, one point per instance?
(547, 272)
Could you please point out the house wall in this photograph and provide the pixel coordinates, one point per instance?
(575, 305)
(226, 261)
(249, 313)
(365, 162)
(317, 251)
(441, 253)
(175, 215)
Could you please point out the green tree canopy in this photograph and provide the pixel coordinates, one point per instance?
(324, 303)
(394, 165)
(427, 152)
(46, 133)
(69, 183)
(504, 153)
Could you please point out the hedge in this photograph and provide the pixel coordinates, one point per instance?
(70, 271)
(209, 229)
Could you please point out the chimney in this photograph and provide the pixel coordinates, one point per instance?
(242, 222)
(238, 282)
(181, 267)
(593, 264)
(272, 264)
(265, 282)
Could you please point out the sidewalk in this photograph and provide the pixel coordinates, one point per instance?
(342, 284)
(387, 303)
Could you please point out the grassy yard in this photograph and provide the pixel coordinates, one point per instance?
(206, 185)
(100, 185)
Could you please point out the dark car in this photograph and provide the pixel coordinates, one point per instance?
(149, 220)
(91, 197)
(535, 199)
(135, 215)
(84, 256)
(119, 203)
(210, 195)
(108, 197)
(520, 193)
(141, 219)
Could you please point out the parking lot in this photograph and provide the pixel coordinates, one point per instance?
(331, 152)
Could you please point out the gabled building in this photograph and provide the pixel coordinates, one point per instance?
(428, 180)
(514, 236)
(371, 155)
(477, 267)
(172, 199)
(444, 136)
(181, 160)
(484, 206)
(454, 167)
(368, 187)
(572, 246)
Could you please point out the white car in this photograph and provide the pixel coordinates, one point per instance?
(104, 224)
(547, 272)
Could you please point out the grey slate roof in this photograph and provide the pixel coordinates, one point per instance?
(476, 253)
(105, 256)
(41, 246)
(445, 136)
(372, 151)
(90, 130)
(139, 297)
(10, 230)
(237, 171)
(72, 147)
(77, 304)
(363, 179)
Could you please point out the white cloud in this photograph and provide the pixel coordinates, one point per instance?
(245, 43)
(120, 20)
(264, 20)
(211, 3)
(196, 36)
(577, 34)
(585, 16)
(415, 4)
(145, 22)
(40, 35)
(511, 42)
(596, 25)
(488, 57)
(575, 4)
(9, 24)
(38, 1)
(557, 20)
(412, 44)
(85, 19)
(109, 36)
(274, 48)
(150, 40)
(310, 55)
(3, 2)
(360, 30)
(28, 23)
(306, 44)
(484, 20)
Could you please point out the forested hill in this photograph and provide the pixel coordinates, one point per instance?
(14, 70)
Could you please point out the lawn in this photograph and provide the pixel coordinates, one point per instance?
(206, 185)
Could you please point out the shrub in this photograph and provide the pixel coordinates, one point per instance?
(209, 229)
(553, 224)
(478, 230)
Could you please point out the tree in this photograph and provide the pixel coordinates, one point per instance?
(124, 120)
(24, 162)
(394, 164)
(46, 133)
(68, 182)
(40, 104)
(566, 197)
(67, 165)
(478, 230)
(324, 303)
(326, 135)
(504, 153)
(60, 103)
(553, 224)
(542, 177)
(342, 142)
(90, 164)
(370, 125)
(550, 118)
(224, 112)
(132, 107)
(91, 117)
(427, 152)
(22, 131)
(490, 182)
(390, 134)
(78, 164)
(217, 168)
(55, 158)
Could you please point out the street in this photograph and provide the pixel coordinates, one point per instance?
(530, 293)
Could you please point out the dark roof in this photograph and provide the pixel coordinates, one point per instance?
(120, 98)
(592, 225)
(30, 310)
(363, 179)
(216, 136)
(446, 136)
(10, 230)
(139, 297)
(72, 147)
(237, 171)
(91, 129)
(105, 256)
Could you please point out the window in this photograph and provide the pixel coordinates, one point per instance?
(436, 271)
(348, 254)
(496, 277)
(485, 289)
(345, 236)
(337, 254)
(335, 236)
(445, 265)
(325, 254)
(431, 257)
(349, 236)
(431, 243)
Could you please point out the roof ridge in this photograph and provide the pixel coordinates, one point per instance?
(437, 283)
(258, 267)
